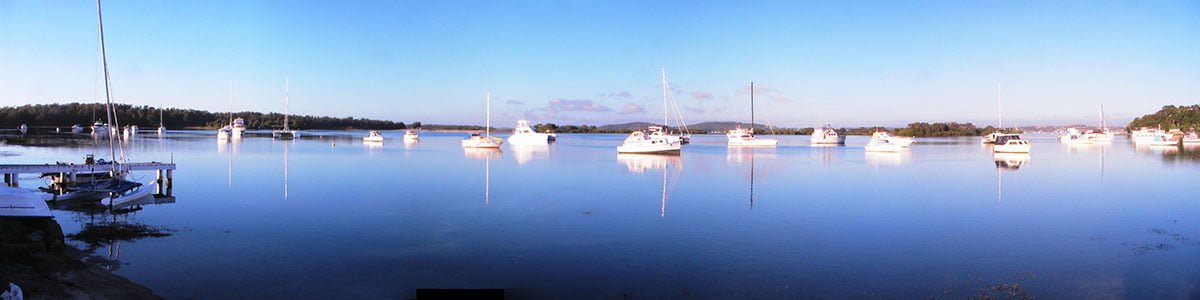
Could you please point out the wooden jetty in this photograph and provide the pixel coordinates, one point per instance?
(165, 172)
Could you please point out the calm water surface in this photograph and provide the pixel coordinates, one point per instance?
(327, 216)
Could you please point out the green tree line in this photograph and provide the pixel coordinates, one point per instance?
(84, 114)
(1170, 117)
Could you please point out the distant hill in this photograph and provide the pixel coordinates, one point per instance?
(631, 126)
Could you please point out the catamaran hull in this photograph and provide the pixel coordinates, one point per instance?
(648, 149)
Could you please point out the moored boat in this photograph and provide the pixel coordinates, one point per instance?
(524, 134)
(1011, 143)
(826, 135)
(374, 136)
(640, 142)
(486, 140)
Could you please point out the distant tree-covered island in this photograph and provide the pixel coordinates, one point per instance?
(84, 114)
(56, 115)
(1184, 117)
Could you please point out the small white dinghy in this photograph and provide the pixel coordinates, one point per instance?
(20, 203)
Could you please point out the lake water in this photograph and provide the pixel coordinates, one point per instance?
(327, 216)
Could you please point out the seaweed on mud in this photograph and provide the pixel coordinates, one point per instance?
(99, 234)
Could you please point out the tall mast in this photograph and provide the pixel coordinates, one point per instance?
(487, 128)
(287, 82)
(1103, 125)
(999, 108)
(751, 106)
(664, 88)
(231, 103)
(112, 148)
(160, 117)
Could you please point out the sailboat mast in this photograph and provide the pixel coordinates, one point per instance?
(231, 103)
(487, 128)
(999, 109)
(112, 148)
(664, 89)
(751, 106)
(287, 82)
(1103, 124)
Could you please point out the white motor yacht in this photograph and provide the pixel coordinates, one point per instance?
(373, 137)
(902, 141)
(1191, 138)
(826, 135)
(1011, 143)
(75, 128)
(23, 128)
(1074, 136)
(239, 127)
(524, 134)
(411, 136)
(640, 142)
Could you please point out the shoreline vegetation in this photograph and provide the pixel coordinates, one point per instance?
(64, 115)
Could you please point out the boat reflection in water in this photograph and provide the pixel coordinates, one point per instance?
(527, 152)
(486, 154)
(669, 164)
(888, 158)
(1007, 162)
(738, 156)
(1011, 161)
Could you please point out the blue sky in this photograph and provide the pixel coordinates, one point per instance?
(851, 63)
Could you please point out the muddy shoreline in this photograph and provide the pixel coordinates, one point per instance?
(33, 256)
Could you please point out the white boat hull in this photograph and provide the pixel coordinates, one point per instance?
(753, 142)
(529, 139)
(1016, 148)
(373, 139)
(19, 203)
(883, 148)
(654, 148)
(482, 143)
(827, 140)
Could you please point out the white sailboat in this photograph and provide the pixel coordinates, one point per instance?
(663, 131)
(287, 133)
(524, 134)
(486, 140)
(226, 132)
(655, 139)
(162, 130)
(1101, 134)
(745, 137)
